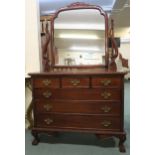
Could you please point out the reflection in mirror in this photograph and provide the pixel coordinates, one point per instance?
(79, 37)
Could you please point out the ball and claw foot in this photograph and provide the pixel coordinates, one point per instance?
(35, 142)
(122, 148)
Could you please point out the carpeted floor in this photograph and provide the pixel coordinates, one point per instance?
(78, 143)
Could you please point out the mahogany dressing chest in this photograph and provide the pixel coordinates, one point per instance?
(79, 98)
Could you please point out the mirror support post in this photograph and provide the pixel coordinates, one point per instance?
(52, 41)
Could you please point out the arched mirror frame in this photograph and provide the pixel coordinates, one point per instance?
(77, 6)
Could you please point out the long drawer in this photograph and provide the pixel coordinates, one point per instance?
(85, 107)
(78, 121)
(78, 94)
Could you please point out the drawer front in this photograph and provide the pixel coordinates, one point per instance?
(46, 83)
(79, 82)
(78, 121)
(78, 94)
(89, 107)
(106, 82)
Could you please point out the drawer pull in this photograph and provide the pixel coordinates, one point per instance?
(47, 107)
(106, 109)
(75, 82)
(106, 95)
(46, 82)
(48, 121)
(105, 82)
(106, 123)
(47, 94)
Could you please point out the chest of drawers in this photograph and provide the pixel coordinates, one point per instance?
(81, 102)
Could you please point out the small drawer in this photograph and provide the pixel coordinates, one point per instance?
(46, 82)
(106, 82)
(73, 82)
(78, 121)
(85, 107)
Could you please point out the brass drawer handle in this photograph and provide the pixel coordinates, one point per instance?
(48, 121)
(47, 107)
(106, 109)
(106, 123)
(75, 82)
(106, 95)
(47, 94)
(46, 82)
(105, 82)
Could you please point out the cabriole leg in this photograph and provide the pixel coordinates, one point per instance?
(122, 139)
(36, 138)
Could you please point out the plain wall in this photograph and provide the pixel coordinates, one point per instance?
(32, 37)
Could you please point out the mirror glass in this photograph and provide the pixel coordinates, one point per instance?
(79, 37)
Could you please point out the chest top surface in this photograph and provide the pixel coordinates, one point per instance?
(79, 72)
